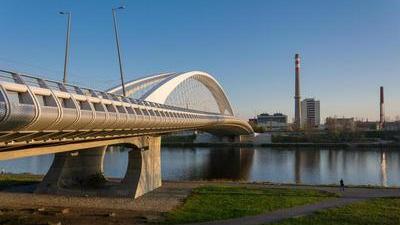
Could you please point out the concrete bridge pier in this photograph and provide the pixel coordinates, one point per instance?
(143, 173)
(73, 170)
(80, 172)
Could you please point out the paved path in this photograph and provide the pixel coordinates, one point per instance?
(349, 196)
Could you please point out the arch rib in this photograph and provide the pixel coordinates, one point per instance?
(160, 92)
(138, 84)
(165, 84)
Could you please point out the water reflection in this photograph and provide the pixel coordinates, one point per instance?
(383, 169)
(305, 162)
(307, 166)
(283, 165)
(209, 164)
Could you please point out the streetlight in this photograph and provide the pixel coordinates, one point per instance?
(66, 44)
(119, 52)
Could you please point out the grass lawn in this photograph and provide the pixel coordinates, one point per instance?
(382, 211)
(7, 180)
(220, 202)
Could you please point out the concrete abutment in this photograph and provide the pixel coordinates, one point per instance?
(80, 172)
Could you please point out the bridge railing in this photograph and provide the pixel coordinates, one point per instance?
(30, 80)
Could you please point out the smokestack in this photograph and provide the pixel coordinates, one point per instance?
(381, 109)
(297, 93)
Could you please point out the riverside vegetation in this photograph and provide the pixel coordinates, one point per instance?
(217, 202)
(381, 211)
(9, 180)
(221, 202)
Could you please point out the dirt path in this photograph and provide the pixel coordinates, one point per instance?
(28, 208)
(162, 199)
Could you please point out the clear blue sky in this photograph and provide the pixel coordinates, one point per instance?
(348, 48)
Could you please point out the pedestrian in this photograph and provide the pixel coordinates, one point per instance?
(341, 185)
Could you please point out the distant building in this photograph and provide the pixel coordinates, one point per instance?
(367, 125)
(310, 113)
(392, 126)
(274, 122)
(253, 121)
(340, 124)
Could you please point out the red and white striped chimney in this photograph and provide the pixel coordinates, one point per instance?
(297, 93)
(381, 109)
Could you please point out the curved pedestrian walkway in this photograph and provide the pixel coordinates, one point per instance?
(350, 195)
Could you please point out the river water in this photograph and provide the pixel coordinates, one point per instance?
(283, 165)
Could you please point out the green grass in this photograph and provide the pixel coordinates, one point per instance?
(382, 211)
(221, 202)
(8, 180)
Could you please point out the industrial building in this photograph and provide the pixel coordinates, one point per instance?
(392, 126)
(274, 122)
(340, 124)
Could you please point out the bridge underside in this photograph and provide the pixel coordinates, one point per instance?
(229, 130)
(106, 138)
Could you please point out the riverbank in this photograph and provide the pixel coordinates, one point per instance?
(295, 145)
(177, 202)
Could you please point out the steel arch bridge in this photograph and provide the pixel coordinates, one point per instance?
(39, 111)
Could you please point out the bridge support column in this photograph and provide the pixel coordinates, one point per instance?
(144, 169)
(74, 170)
(81, 172)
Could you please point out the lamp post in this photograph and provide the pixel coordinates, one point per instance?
(118, 48)
(66, 44)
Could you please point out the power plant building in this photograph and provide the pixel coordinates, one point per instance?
(310, 113)
(340, 124)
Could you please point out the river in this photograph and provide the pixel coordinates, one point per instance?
(282, 165)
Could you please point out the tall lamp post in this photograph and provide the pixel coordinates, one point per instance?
(118, 48)
(66, 44)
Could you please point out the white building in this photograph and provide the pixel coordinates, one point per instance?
(310, 113)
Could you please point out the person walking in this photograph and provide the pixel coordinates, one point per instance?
(341, 185)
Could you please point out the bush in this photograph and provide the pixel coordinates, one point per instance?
(94, 181)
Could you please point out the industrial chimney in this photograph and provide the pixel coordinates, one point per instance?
(381, 109)
(297, 93)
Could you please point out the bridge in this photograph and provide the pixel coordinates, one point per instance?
(40, 116)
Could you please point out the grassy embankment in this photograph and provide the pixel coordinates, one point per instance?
(8, 180)
(382, 211)
(220, 202)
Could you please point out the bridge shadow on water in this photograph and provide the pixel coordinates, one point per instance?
(229, 163)
(207, 163)
(191, 163)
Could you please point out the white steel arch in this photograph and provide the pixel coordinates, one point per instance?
(165, 84)
(134, 86)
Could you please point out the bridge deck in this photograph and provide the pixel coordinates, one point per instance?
(35, 110)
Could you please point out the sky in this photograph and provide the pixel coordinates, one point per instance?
(348, 48)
